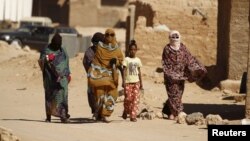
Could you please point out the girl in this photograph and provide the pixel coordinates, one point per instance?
(132, 82)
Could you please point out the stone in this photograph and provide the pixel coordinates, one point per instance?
(150, 115)
(227, 92)
(159, 115)
(213, 119)
(6, 135)
(216, 89)
(245, 121)
(232, 85)
(26, 48)
(120, 99)
(196, 118)
(181, 118)
(121, 92)
(240, 98)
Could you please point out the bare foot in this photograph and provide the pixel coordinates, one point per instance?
(171, 117)
(106, 119)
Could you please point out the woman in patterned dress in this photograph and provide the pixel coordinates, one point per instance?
(54, 63)
(103, 75)
(178, 65)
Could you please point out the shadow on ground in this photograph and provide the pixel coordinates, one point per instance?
(55, 120)
(230, 112)
(21, 119)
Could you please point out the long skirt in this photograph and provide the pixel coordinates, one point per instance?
(132, 97)
(91, 99)
(174, 104)
(56, 99)
(105, 98)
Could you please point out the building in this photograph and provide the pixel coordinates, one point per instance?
(104, 13)
(15, 10)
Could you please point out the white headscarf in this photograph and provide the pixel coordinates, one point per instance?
(175, 43)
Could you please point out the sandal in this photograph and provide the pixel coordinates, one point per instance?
(133, 119)
(48, 118)
(124, 116)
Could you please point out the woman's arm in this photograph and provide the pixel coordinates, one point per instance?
(140, 78)
(124, 75)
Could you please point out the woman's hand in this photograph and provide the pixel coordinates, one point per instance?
(69, 78)
(141, 87)
(50, 57)
(123, 84)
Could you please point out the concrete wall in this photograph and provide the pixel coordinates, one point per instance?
(238, 44)
(74, 44)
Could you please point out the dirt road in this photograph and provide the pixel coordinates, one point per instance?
(22, 107)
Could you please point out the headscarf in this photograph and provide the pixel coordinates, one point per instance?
(175, 39)
(110, 37)
(97, 37)
(56, 42)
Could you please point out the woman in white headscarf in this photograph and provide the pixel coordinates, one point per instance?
(178, 65)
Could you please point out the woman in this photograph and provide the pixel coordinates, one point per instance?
(87, 60)
(178, 65)
(54, 63)
(103, 75)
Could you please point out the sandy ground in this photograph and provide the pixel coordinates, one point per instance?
(22, 106)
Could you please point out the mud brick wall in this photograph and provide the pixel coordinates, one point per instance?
(92, 13)
(247, 114)
(238, 44)
(199, 34)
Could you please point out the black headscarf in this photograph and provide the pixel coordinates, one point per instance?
(56, 42)
(97, 37)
